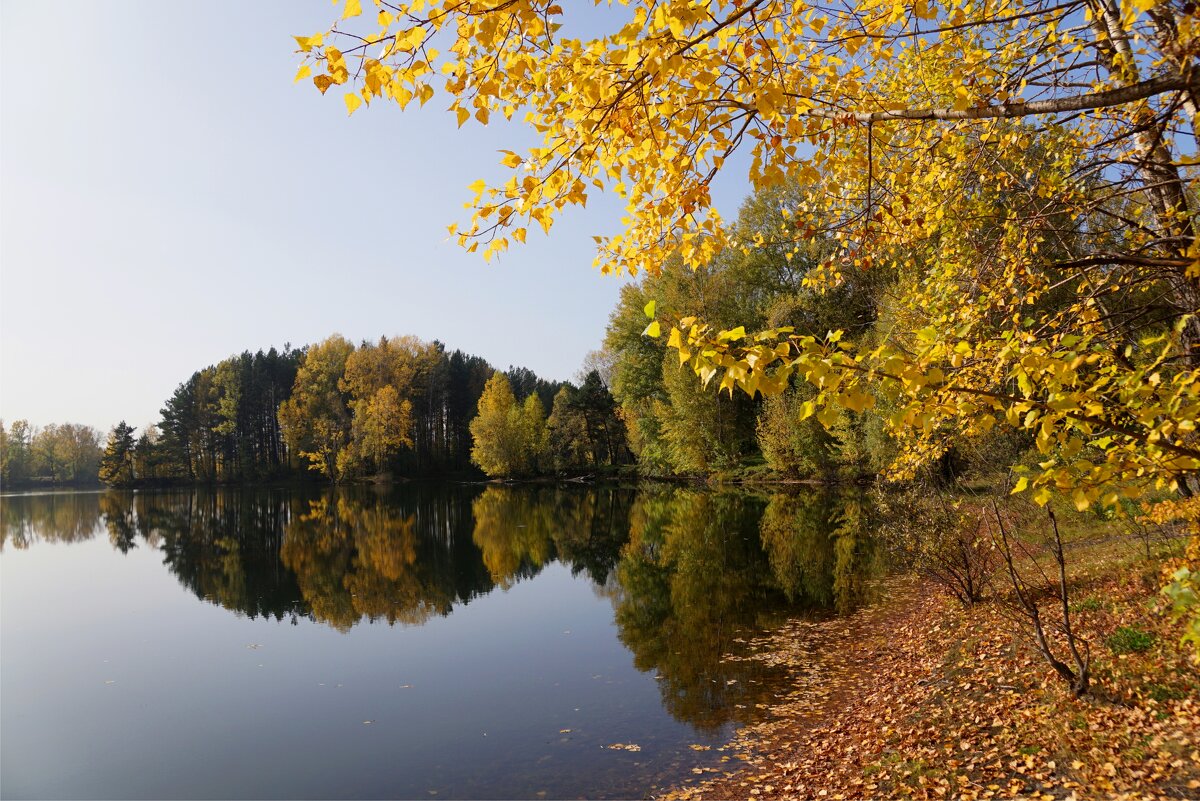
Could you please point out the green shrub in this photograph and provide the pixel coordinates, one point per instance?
(1129, 640)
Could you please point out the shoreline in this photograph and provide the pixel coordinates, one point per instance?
(919, 697)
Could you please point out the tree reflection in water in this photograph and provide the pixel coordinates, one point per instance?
(48, 517)
(693, 574)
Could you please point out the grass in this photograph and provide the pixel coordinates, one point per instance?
(1087, 605)
(1129, 640)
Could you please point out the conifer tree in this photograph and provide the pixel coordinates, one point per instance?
(116, 465)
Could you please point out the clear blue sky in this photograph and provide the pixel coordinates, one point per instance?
(168, 197)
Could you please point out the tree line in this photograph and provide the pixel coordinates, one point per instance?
(334, 410)
(65, 453)
(583, 431)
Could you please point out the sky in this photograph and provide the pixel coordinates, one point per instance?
(168, 197)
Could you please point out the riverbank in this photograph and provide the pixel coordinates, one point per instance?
(918, 697)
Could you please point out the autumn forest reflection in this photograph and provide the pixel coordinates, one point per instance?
(688, 571)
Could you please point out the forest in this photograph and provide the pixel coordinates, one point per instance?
(66, 453)
(403, 407)
(331, 411)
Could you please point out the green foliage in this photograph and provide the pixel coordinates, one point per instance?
(1183, 592)
(117, 466)
(793, 447)
(676, 425)
(57, 454)
(16, 458)
(567, 445)
(512, 439)
(1129, 640)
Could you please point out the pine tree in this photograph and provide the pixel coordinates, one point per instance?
(116, 465)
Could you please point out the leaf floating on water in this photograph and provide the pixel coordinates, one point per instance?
(700, 747)
(625, 747)
(564, 731)
(368, 722)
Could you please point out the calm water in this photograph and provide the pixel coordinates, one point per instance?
(429, 641)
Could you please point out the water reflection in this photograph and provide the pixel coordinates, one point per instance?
(520, 529)
(49, 517)
(383, 557)
(691, 574)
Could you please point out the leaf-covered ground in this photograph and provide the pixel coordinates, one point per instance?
(920, 698)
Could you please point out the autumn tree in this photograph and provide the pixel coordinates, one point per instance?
(399, 404)
(509, 437)
(381, 380)
(16, 460)
(316, 419)
(65, 453)
(382, 425)
(533, 432)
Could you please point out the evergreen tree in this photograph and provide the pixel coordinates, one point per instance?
(567, 440)
(117, 464)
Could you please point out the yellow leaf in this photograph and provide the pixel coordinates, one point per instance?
(856, 401)
(463, 115)
(652, 330)
(323, 82)
(304, 71)
(353, 101)
(307, 43)
(478, 187)
(353, 9)
(650, 308)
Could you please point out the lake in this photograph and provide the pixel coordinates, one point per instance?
(427, 640)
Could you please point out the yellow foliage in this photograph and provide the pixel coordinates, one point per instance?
(1022, 170)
